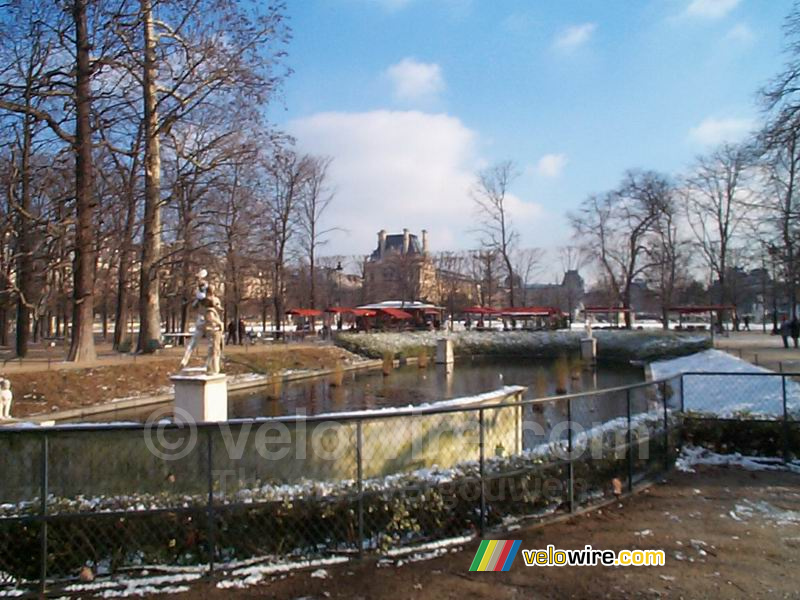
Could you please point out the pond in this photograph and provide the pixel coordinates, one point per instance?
(412, 385)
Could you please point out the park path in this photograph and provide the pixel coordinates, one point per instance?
(761, 349)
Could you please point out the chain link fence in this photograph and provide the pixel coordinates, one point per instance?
(755, 414)
(111, 502)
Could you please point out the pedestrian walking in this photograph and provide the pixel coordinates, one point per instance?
(747, 322)
(795, 330)
(786, 331)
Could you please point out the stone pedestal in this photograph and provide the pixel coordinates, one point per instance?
(444, 352)
(201, 397)
(589, 350)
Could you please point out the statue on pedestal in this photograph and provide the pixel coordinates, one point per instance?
(6, 398)
(208, 324)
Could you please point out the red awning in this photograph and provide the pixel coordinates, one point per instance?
(530, 311)
(395, 313)
(304, 312)
(339, 310)
(606, 309)
(701, 308)
(363, 312)
(480, 310)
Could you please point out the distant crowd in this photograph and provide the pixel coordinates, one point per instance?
(790, 329)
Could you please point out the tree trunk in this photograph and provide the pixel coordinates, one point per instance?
(122, 309)
(24, 258)
(3, 327)
(82, 344)
(149, 310)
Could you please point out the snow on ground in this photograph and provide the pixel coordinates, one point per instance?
(779, 517)
(752, 394)
(251, 575)
(691, 456)
(612, 344)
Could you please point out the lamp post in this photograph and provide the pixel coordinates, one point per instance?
(338, 293)
(772, 250)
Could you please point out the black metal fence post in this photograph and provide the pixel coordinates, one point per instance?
(666, 425)
(785, 422)
(360, 479)
(629, 440)
(570, 465)
(483, 485)
(683, 405)
(210, 509)
(43, 510)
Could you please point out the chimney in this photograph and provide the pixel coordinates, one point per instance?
(424, 241)
(381, 243)
(406, 241)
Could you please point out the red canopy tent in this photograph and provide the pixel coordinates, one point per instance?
(304, 312)
(529, 311)
(358, 312)
(594, 310)
(700, 309)
(480, 310)
(395, 313)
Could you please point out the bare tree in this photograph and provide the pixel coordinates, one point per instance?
(66, 86)
(615, 226)
(197, 62)
(316, 199)
(287, 175)
(485, 268)
(718, 200)
(572, 258)
(667, 253)
(497, 232)
(527, 264)
(776, 221)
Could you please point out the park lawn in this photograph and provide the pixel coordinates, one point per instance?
(46, 391)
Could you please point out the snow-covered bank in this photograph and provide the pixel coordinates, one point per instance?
(612, 345)
(757, 392)
(692, 456)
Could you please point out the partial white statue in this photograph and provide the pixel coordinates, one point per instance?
(208, 324)
(6, 398)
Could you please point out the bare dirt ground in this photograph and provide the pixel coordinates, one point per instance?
(727, 533)
(41, 390)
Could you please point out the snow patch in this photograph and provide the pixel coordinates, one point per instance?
(729, 396)
(691, 456)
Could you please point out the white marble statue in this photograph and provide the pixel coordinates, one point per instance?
(6, 397)
(209, 324)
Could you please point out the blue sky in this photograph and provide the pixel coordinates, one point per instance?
(411, 97)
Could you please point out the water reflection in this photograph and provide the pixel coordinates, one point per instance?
(411, 385)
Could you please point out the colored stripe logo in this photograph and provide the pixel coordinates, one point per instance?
(495, 555)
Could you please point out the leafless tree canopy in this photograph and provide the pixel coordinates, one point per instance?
(495, 225)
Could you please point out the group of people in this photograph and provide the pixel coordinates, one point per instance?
(234, 328)
(790, 329)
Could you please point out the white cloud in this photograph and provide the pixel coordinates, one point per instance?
(414, 81)
(710, 9)
(396, 169)
(740, 33)
(713, 131)
(551, 165)
(574, 36)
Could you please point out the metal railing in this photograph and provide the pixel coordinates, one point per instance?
(95, 501)
(756, 413)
